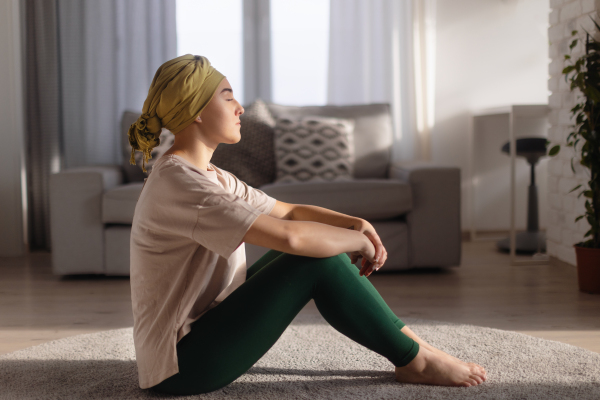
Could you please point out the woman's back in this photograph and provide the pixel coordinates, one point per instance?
(185, 255)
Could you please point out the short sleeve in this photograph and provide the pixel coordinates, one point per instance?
(223, 220)
(255, 197)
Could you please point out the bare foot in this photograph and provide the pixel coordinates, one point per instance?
(431, 368)
(482, 371)
(407, 331)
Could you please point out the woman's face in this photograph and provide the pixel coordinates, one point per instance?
(221, 116)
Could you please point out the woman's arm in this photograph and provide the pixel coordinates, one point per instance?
(316, 239)
(303, 230)
(304, 212)
(305, 238)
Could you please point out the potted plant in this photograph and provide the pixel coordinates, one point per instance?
(586, 78)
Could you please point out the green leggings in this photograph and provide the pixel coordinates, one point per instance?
(228, 339)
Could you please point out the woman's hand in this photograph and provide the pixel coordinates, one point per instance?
(367, 267)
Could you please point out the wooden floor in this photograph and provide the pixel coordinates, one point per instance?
(541, 300)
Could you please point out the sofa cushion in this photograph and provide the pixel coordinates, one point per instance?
(252, 159)
(118, 203)
(313, 149)
(370, 199)
(373, 134)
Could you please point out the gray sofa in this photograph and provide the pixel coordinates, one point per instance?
(414, 206)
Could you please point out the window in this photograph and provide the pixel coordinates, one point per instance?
(299, 51)
(213, 29)
(299, 45)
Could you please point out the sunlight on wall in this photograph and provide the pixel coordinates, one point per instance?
(213, 29)
(424, 45)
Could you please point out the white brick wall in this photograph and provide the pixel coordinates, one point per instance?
(565, 16)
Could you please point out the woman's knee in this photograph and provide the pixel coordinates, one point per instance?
(305, 263)
(337, 262)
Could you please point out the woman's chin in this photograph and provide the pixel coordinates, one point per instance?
(236, 138)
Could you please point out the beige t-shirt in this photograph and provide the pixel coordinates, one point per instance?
(186, 255)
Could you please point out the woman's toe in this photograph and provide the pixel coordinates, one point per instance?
(473, 381)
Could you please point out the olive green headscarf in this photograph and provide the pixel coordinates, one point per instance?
(180, 90)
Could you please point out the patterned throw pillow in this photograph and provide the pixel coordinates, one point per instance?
(252, 159)
(314, 149)
(167, 139)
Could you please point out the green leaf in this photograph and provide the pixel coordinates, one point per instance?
(575, 188)
(588, 207)
(578, 218)
(590, 219)
(573, 43)
(584, 162)
(593, 93)
(554, 150)
(567, 57)
(573, 33)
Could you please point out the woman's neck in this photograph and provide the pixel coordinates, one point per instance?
(187, 158)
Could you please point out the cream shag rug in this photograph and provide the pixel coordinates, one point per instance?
(312, 360)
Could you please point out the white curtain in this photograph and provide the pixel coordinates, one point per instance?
(110, 51)
(86, 62)
(382, 51)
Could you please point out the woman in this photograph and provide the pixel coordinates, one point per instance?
(200, 318)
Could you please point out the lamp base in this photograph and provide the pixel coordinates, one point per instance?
(526, 242)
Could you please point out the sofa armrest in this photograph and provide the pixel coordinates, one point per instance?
(76, 228)
(434, 231)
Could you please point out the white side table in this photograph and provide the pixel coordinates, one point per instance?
(514, 113)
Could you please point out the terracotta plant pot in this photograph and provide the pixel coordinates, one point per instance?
(588, 269)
